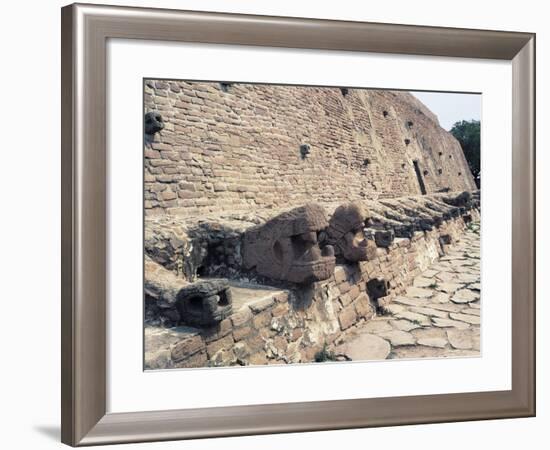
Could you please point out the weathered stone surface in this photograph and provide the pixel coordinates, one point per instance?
(449, 288)
(398, 338)
(345, 233)
(429, 273)
(199, 359)
(433, 342)
(395, 309)
(465, 296)
(153, 122)
(241, 317)
(414, 317)
(340, 274)
(366, 347)
(423, 282)
(242, 332)
(476, 320)
(459, 339)
(205, 302)
(347, 317)
(471, 311)
(444, 323)
(217, 331)
(446, 276)
(224, 343)
(410, 301)
(261, 320)
(377, 326)
(260, 305)
(440, 297)
(419, 292)
(429, 312)
(377, 287)
(363, 307)
(161, 284)
(286, 248)
(449, 307)
(384, 238)
(461, 200)
(187, 347)
(405, 325)
(259, 130)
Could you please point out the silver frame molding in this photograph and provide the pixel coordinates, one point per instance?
(85, 30)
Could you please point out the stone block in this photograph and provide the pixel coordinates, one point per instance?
(199, 359)
(347, 317)
(223, 343)
(262, 319)
(261, 305)
(363, 307)
(242, 333)
(187, 347)
(241, 317)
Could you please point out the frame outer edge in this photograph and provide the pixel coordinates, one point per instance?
(85, 29)
(524, 229)
(67, 319)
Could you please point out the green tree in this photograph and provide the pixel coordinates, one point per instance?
(467, 132)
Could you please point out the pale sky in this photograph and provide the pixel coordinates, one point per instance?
(451, 107)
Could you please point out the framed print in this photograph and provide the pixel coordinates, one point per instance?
(268, 221)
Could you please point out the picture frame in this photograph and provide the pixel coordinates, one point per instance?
(85, 31)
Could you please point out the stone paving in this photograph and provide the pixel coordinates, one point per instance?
(439, 315)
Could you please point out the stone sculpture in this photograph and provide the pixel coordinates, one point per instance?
(205, 303)
(384, 238)
(462, 200)
(153, 122)
(286, 247)
(377, 288)
(305, 149)
(345, 233)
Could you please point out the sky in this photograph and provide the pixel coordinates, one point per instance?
(451, 107)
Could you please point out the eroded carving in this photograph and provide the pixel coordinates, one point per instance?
(377, 288)
(205, 303)
(286, 247)
(153, 122)
(345, 233)
(384, 238)
(462, 200)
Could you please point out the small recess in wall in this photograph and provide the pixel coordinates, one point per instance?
(305, 149)
(344, 91)
(407, 141)
(225, 86)
(386, 113)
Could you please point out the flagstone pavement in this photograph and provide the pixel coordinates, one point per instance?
(439, 315)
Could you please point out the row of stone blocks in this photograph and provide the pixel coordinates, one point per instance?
(300, 247)
(350, 294)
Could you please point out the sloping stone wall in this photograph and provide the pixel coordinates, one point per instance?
(237, 147)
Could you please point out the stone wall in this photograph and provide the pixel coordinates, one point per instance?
(242, 147)
(278, 326)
